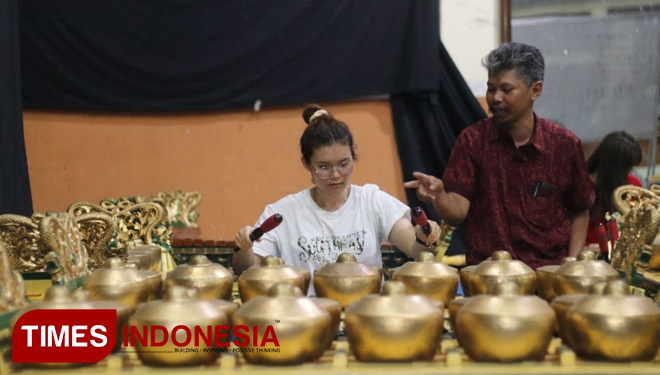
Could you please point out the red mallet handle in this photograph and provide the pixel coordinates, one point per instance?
(601, 234)
(265, 227)
(613, 229)
(419, 216)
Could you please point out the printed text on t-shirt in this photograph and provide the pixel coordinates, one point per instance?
(326, 249)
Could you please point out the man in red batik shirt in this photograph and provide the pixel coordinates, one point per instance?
(518, 180)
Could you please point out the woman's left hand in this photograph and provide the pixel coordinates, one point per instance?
(432, 238)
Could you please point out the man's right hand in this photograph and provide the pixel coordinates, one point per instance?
(242, 238)
(428, 187)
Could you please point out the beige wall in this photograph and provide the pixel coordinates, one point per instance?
(239, 160)
(470, 29)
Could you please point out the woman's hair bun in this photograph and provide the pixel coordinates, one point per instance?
(309, 111)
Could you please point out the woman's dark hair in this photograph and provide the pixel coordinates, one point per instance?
(612, 160)
(323, 130)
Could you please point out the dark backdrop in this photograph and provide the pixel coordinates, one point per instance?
(15, 194)
(427, 123)
(170, 55)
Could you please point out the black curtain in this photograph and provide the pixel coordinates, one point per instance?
(172, 55)
(427, 123)
(15, 194)
(178, 55)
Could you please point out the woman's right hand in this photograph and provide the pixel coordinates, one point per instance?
(432, 238)
(242, 238)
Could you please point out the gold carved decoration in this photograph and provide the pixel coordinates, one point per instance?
(640, 227)
(114, 206)
(20, 236)
(12, 289)
(137, 222)
(80, 208)
(640, 221)
(67, 257)
(180, 206)
(627, 196)
(97, 230)
(655, 188)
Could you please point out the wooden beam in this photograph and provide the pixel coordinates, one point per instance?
(505, 21)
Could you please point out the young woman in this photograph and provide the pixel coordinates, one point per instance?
(333, 216)
(609, 167)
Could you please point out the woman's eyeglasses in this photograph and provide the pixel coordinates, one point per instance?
(325, 171)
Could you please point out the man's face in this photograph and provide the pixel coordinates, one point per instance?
(509, 99)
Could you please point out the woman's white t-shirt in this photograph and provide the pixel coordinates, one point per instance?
(311, 237)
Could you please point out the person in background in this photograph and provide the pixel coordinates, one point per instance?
(610, 166)
(333, 216)
(517, 180)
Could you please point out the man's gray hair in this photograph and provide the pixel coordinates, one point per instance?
(525, 59)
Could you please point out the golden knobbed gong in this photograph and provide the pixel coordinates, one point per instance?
(500, 268)
(301, 326)
(154, 279)
(394, 326)
(427, 277)
(544, 274)
(506, 326)
(177, 309)
(142, 260)
(577, 277)
(154, 252)
(258, 279)
(562, 304)
(544, 282)
(212, 280)
(118, 281)
(614, 326)
(347, 281)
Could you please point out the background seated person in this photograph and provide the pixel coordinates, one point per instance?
(609, 166)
